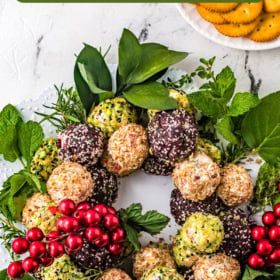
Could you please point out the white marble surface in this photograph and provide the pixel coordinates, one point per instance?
(38, 43)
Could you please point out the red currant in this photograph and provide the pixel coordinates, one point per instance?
(35, 234)
(279, 187)
(15, 270)
(84, 206)
(56, 249)
(255, 261)
(101, 209)
(46, 260)
(80, 215)
(103, 240)
(274, 233)
(37, 249)
(67, 207)
(275, 256)
(53, 235)
(116, 249)
(30, 265)
(118, 235)
(20, 245)
(111, 221)
(60, 223)
(268, 218)
(264, 247)
(277, 210)
(92, 217)
(93, 234)
(111, 210)
(69, 251)
(74, 242)
(258, 233)
(70, 224)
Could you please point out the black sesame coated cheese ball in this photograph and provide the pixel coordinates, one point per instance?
(105, 186)
(237, 242)
(81, 143)
(155, 166)
(182, 208)
(93, 257)
(173, 135)
(187, 273)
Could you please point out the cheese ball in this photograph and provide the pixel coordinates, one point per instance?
(114, 274)
(40, 211)
(236, 185)
(203, 233)
(45, 159)
(70, 180)
(61, 269)
(127, 150)
(162, 273)
(173, 135)
(151, 256)
(81, 143)
(111, 114)
(184, 256)
(197, 177)
(207, 147)
(155, 166)
(219, 267)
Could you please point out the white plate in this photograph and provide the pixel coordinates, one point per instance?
(189, 13)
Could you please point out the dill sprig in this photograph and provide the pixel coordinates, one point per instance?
(8, 233)
(67, 110)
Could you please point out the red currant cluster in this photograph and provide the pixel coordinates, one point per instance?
(268, 240)
(99, 224)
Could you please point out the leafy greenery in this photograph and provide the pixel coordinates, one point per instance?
(251, 274)
(135, 222)
(67, 110)
(4, 276)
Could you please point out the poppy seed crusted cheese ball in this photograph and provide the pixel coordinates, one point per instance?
(40, 211)
(203, 233)
(197, 177)
(127, 150)
(217, 266)
(162, 273)
(236, 185)
(151, 256)
(111, 114)
(155, 166)
(114, 274)
(81, 143)
(173, 135)
(70, 180)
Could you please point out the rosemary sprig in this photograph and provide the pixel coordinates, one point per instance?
(67, 110)
(8, 233)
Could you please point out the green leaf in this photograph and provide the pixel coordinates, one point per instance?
(4, 276)
(30, 137)
(251, 274)
(129, 54)
(207, 104)
(154, 58)
(9, 122)
(261, 128)
(132, 236)
(151, 95)
(242, 103)
(34, 181)
(225, 128)
(106, 95)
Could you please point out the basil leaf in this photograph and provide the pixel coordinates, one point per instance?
(129, 54)
(251, 274)
(207, 104)
(261, 128)
(9, 122)
(30, 136)
(242, 103)
(225, 128)
(151, 95)
(154, 58)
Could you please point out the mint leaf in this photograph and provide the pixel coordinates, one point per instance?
(34, 181)
(225, 128)
(30, 136)
(242, 103)
(151, 95)
(4, 276)
(132, 236)
(9, 122)
(261, 128)
(251, 274)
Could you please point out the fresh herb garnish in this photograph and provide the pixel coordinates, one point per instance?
(4, 276)
(135, 222)
(251, 274)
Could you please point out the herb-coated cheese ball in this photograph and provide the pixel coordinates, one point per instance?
(40, 211)
(155, 166)
(111, 114)
(70, 180)
(61, 269)
(219, 267)
(184, 256)
(45, 159)
(203, 233)
(206, 146)
(127, 150)
(151, 256)
(81, 143)
(162, 273)
(197, 177)
(114, 274)
(173, 135)
(236, 185)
